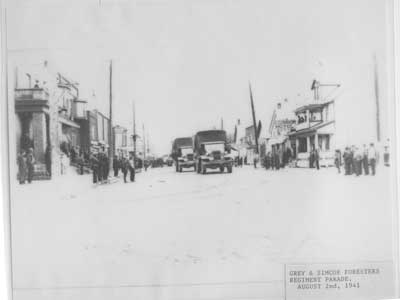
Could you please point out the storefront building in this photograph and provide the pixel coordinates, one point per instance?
(314, 129)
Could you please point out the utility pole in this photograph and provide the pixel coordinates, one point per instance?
(144, 145)
(377, 110)
(222, 123)
(254, 117)
(110, 129)
(134, 131)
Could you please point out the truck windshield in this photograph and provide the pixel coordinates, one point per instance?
(214, 147)
(186, 151)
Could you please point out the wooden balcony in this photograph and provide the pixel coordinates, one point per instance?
(31, 100)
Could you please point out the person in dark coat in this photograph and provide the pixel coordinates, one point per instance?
(311, 159)
(365, 160)
(338, 160)
(277, 160)
(124, 167)
(353, 161)
(348, 161)
(358, 158)
(106, 167)
(30, 162)
(116, 165)
(94, 164)
(316, 158)
(132, 168)
(22, 167)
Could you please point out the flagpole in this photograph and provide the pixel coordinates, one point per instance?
(254, 117)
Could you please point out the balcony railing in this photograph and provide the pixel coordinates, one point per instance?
(31, 94)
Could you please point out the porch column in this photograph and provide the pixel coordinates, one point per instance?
(297, 148)
(39, 136)
(308, 143)
(316, 140)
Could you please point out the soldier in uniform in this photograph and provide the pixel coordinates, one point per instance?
(124, 167)
(94, 163)
(365, 160)
(348, 160)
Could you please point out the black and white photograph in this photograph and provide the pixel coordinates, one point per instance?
(201, 149)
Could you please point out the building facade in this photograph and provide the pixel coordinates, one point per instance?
(314, 129)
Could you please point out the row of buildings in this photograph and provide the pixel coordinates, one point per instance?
(53, 119)
(324, 124)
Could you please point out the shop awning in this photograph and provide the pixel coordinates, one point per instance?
(68, 122)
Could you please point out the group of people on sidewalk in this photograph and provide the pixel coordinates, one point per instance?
(100, 167)
(277, 159)
(359, 160)
(125, 165)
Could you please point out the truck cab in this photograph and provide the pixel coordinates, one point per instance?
(212, 151)
(182, 153)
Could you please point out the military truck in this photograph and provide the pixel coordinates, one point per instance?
(212, 151)
(182, 153)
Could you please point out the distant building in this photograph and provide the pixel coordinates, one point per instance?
(120, 135)
(282, 123)
(95, 134)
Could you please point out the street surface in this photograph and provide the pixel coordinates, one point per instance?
(189, 236)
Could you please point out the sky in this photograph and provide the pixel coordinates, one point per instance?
(187, 64)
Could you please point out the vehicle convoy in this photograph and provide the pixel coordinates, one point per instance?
(182, 153)
(212, 151)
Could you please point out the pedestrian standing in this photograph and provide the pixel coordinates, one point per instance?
(386, 157)
(21, 160)
(353, 161)
(338, 159)
(372, 155)
(106, 168)
(116, 166)
(30, 162)
(100, 169)
(316, 157)
(365, 160)
(124, 167)
(358, 158)
(347, 157)
(94, 164)
(281, 159)
(311, 159)
(132, 168)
